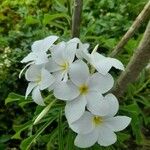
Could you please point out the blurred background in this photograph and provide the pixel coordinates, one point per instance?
(104, 22)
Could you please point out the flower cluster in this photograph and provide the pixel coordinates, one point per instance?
(81, 79)
(5, 61)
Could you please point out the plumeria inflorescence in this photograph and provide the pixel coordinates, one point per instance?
(64, 69)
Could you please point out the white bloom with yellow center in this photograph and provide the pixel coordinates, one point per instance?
(63, 55)
(83, 90)
(40, 79)
(93, 128)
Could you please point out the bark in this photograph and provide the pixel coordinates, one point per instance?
(145, 13)
(76, 18)
(138, 61)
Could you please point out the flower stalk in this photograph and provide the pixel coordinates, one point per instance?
(145, 13)
(76, 19)
(138, 61)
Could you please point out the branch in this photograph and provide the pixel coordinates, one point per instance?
(76, 18)
(145, 13)
(138, 61)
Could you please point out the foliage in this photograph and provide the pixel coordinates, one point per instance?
(103, 22)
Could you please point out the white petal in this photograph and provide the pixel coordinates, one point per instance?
(79, 72)
(86, 140)
(57, 53)
(118, 123)
(116, 63)
(30, 87)
(84, 124)
(104, 64)
(69, 52)
(37, 58)
(20, 74)
(37, 97)
(59, 75)
(113, 104)
(52, 86)
(46, 79)
(71, 48)
(75, 109)
(96, 104)
(41, 58)
(106, 136)
(66, 91)
(74, 40)
(101, 83)
(33, 73)
(65, 77)
(43, 45)
(82, 51)
(37, 45)
(52, 66)
(30, 57)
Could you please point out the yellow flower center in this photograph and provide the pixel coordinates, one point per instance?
(64, 66)
(97, 120)
(38, 80)
(83, 89)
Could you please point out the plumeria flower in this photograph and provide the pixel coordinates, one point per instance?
(83, 90)
(63, 55)
(93, 128)
(39, 48)
(101, 63)
(104, 64)
(40, 79)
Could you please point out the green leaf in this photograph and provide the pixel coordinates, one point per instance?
(133, 108)
(22, 104)
(54, 134)
(60, 133)
(12, 97)
(136, 128)
(135, 113)
(122, 137)
(4, 138)
(70, 139)
(48, 18)
(44, 112)
(19, 128)
(26, 143)
(110, 43)
(3, 146)
(30, 20)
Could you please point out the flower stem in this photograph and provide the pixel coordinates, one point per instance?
(137, 62)
(145, 13)
(76, 19)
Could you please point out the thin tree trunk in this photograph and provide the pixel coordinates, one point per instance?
(76, 18)
(145, 13)
(138, 61)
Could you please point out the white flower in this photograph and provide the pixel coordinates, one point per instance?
(83, 90)
(39, 48)
(104, 64)
(63, 55)
(40, 79)
(93, 128)
(101, 63)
